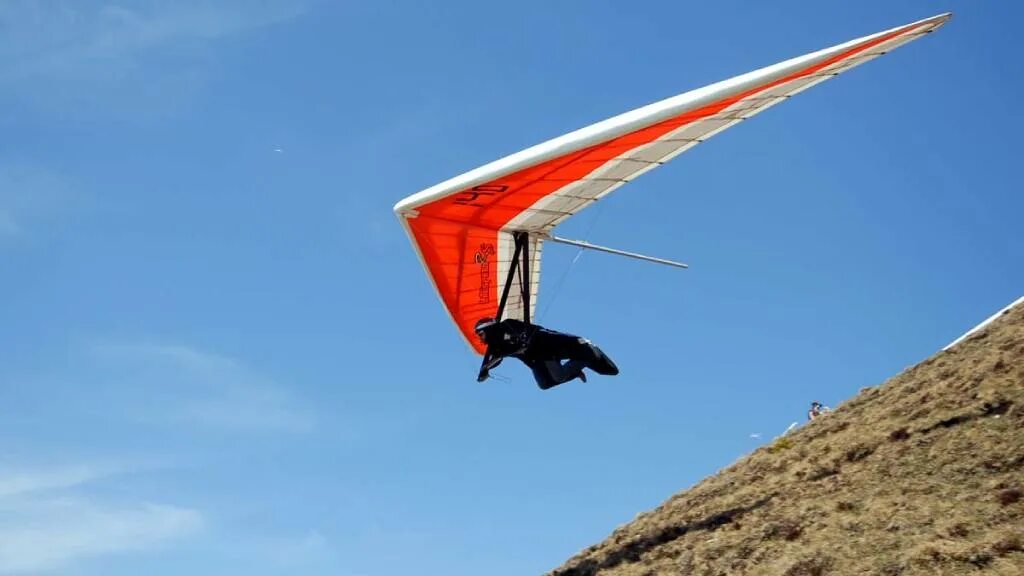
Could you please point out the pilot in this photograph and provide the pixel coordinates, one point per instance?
(542, 350)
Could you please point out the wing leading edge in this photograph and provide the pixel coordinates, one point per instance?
(461, 228)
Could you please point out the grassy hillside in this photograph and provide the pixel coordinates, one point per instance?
(921, 475)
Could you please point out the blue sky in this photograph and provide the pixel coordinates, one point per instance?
(218, 351)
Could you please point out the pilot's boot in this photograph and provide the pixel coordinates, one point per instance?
(600, 362)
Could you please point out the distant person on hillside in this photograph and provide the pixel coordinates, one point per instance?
(817, 409)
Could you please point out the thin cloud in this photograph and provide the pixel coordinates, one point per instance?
(47, 521)
(64, 51)
(47, 36)
(31, 195)
(310, 548)
(250, 410)
(205, 388)
(53, 533)
(24, 482)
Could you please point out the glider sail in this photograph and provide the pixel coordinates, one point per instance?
(464, 228)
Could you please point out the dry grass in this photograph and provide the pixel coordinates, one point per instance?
(922, 475)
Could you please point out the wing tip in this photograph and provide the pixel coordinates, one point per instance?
(404, 208)
(937, 20)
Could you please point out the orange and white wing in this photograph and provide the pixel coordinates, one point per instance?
(461, 228)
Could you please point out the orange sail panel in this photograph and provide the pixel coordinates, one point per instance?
(462, 228)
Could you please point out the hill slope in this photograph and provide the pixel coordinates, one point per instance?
(921, 475)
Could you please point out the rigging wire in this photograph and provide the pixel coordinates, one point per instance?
(500, 378)
(565, 272)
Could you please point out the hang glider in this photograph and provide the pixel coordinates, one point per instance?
(480, 234)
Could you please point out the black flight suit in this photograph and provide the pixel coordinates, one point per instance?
(543, 351)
